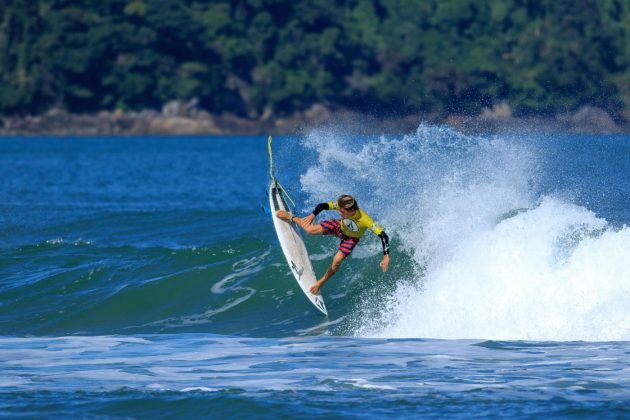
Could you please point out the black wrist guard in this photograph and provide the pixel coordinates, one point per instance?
(384, 242)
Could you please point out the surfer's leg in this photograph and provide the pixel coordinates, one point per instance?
(310, 228)
(347, 245)
(332, 269)
(331, 227)
(284, 215)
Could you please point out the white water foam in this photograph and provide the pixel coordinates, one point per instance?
(495, 259)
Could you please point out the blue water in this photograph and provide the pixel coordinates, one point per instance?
(141, 277)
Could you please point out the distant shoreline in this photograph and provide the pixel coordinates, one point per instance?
(177, 119)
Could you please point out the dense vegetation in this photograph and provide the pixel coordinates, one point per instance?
(257, 56)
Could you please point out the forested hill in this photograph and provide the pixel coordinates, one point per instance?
(274, 57)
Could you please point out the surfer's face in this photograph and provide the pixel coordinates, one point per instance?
(346, 214)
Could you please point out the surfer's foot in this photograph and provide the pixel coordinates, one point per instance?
(284, 215)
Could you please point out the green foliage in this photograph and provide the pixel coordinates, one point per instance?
(257, 56)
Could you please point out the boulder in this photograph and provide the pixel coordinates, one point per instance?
(588, 119)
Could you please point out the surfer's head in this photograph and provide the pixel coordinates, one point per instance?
(347, 202)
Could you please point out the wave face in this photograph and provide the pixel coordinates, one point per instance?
(501, 244)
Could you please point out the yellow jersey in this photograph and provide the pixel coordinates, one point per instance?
(355, 226)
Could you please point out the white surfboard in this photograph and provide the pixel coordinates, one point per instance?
(293, 248)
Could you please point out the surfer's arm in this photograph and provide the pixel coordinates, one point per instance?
(320, 207)
(378, 231)
(384, 242)
(323, 206)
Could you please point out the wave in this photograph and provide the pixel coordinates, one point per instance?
(493, 257)
(240, 287)
(481, 249)
(73, 286)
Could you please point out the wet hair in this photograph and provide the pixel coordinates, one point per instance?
(347, 202)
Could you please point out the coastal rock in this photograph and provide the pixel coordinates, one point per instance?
(179, 108)
(181, 118)
(501, 110)
(182, 126)
(317, 114)
(472, 125)
(588, 119)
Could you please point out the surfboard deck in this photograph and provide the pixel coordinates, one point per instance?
(293, 248)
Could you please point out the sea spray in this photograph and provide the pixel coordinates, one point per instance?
(434, 185)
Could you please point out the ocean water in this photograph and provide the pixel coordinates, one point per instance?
(141, 277)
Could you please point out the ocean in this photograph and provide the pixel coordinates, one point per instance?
(140, 277)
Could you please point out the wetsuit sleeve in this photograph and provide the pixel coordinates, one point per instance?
(384, 242)
(323, 206)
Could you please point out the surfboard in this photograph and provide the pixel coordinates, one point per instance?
(293, 247)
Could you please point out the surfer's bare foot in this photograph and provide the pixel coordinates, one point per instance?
(284, 215)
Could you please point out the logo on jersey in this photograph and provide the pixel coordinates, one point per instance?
(351, 225)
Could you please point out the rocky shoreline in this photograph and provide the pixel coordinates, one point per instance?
(178, 118)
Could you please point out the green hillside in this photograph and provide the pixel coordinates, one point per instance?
(252, 57)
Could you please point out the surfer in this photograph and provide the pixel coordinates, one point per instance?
(350, 228)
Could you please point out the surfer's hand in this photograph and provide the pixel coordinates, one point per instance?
(385, 263)
(308, 219)
(315, 289)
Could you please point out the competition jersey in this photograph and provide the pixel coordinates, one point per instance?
(355, 226)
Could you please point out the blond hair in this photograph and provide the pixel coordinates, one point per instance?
(347, 202)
